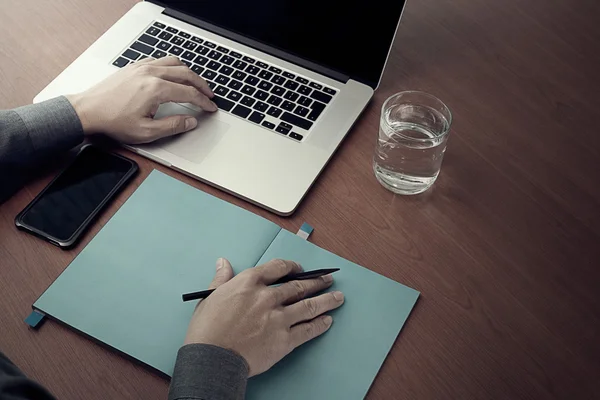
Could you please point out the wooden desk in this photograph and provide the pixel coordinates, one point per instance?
(505, 247)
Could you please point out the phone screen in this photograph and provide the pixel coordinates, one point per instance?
(77, 193)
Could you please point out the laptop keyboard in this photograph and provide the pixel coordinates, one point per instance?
(251, 89)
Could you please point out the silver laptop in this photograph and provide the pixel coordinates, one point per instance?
(291, 78)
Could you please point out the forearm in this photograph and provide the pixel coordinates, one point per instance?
(206, 372)
(32, 134)
(16, 386)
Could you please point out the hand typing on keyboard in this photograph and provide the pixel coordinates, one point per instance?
(123, 105)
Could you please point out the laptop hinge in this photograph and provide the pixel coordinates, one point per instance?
(257, 45)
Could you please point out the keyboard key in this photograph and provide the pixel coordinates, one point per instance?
(239, 75)
(288, 75)
(329, 91)
(252, 70)
(291, 96)
(165, 36)
(252, 80)
(120, 62)
(177, 41)
(235, 54)
(142, 48)
(249, 59)
(211, 85)
(153, 31)
(241, 111)
(274, 100)
(172, 30)
(235, 96)
(291, 85)
(316, 110)
(285, 125)
(301, 80)
(282, 130)
(132, 55)
(264, 85)
(222, 79)
(266, 75)
(208, 74)
(262, 64)
(248, 101)
(197, 39)
(164, 46)
(223, 49)
(288, 106)
(142, 57)
(186, 62)
(188, 55)
(222, 103)
(267, 124)
(315, 85)
(260, 106)
(240, 64)
(159, 25)
(176, 50)
(305, 101)
(296, 120)
(261, 95)
(148, 39)
(197, 69)
(249, 90)
(274, 112)
(159, 54)
(210, 44)
(257, 117)
(278, 80)
(202, 50)
(189, 45)
(184, 35)
(221, 90)
(215, 55)
(275, 70)
(226, 70)
(227, 60)
(278, 90)
(322, 97)
(236, 85)
(214, 65)
(301, 111)
(201, 60)
(305, 90)
(296, 136)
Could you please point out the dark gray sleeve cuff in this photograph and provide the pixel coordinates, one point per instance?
(52, 125)
(207, 372)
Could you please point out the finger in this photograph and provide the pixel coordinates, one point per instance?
(178, 93)
(144, 61)
(181, 74)
(275, 269)
(306, 331)
(169, 126)
(308, 309)
(169, 61)
(224, 273)
(295, 291)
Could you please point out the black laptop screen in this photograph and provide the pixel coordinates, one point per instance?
(351, 37)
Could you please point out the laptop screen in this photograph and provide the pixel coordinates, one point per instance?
(351, 37)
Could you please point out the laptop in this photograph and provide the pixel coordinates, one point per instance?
(290, 79)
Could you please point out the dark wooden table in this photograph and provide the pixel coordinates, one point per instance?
(505, 248)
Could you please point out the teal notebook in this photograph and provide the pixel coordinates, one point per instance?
(125, 288)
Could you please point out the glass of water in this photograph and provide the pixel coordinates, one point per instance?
(413, 132)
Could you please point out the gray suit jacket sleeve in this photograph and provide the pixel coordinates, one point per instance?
(32, 134)
(206, 372)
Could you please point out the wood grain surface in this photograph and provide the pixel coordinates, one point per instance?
(505, 248)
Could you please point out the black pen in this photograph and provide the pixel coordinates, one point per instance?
(293, 277)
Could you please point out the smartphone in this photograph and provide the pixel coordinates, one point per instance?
(62, 212)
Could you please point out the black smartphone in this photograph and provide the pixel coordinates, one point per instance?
(67, 206)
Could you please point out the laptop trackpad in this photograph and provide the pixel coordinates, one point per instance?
(194, 145)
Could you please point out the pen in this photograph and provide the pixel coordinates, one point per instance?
(293, 277)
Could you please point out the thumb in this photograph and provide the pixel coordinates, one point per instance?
(223, 274)
(172, 125)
